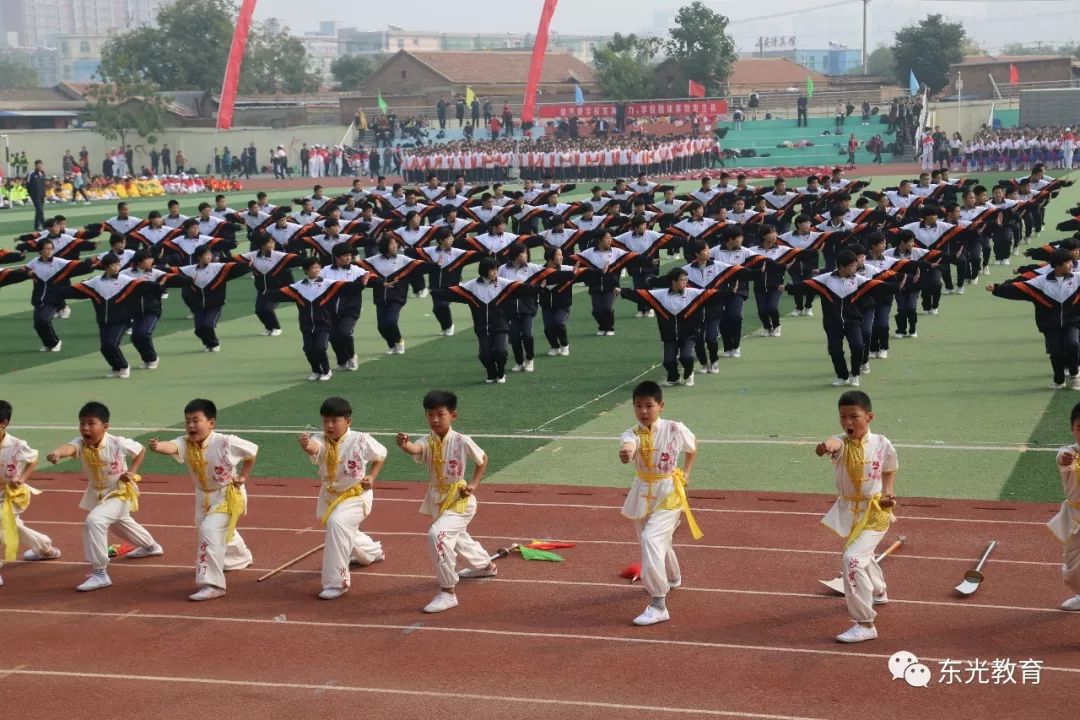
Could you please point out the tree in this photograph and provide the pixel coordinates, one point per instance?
(928, 49)
(117, 111)
(879, 63)
(351, 70)
(701, 45)
(189, 49)
(16, 75)
(1041, 48)
(624, 67)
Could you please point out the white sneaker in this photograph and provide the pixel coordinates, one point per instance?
(689, 382)
(960, 291)
(1072, 603)
(809, 312)
(736, 353)
(713, 369)
(858, 634)
(501, 380)
(489, 381)
(207, 592)
(912, 335)
(853, 381)
(392, 350)
(1057, 386)
(564, 350)
(865, 370)
(651, 616)
(924, 312)
(326, 376)
(423, 293)
(96, 581)
(64, 314)
(775, 332)
(839, 382)
(313, 377)
(53, 554)
(639, 314)
(882, 599)
(529, 366)
(899, 335)
(275, 332)
(883, 355)
(986, 271)
(609, 333)
(553, 352)
(267, 333)
(1074, 383)
(600, 333)
(650, 313)
(726, 354)
(216, 348)
(141, 552)
(124, 372)
(671, 383)
(128, 331)
(449, 332)
(947, 291)
(152, 365)
(57, 347)
(332, 593)
(441, 603)
(399, 349)
(934, 311)
(470, 573)
(795, 313)
(352, 364)
(763, 332)
(517, 368)
(872, 356)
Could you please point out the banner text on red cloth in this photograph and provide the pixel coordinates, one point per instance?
(649, 108)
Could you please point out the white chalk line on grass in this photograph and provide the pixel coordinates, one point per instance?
(583, 506)
(531, 635)
(367, 573)
(443, 696)
(601, 396)
(531, 435)
(579, 541)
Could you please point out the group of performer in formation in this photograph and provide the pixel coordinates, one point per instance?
(349, 462)
(859, 251)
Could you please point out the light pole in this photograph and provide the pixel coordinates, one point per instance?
(7, 156)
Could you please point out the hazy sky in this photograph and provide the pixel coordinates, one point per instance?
(992, 23)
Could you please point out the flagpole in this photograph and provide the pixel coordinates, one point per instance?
(959, 98)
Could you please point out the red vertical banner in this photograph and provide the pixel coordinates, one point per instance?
(528, 106)
(232, 70)
(1014, 75)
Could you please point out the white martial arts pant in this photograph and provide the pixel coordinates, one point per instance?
(448, 537)
(214, 556)
(1070, 563)
(863, 578)
(658, 562)
(111, 513)
(344, 541)
(29, 538)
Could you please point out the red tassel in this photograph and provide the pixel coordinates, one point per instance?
(632, 572)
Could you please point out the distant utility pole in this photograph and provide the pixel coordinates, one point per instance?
(865, 7)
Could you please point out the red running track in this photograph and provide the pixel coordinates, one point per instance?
(751, 633)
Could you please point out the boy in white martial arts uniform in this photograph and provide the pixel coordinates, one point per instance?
(449, 500)
(220, 466)
(112, 494)
(345, 498)
(657, 499)
(17, 463)
(865, 475)
(1066, 524)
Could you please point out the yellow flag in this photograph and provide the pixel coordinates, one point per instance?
(469, 95)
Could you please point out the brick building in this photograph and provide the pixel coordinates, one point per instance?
(1035, 72)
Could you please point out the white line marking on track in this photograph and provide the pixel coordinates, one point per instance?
(580, 541)
(532, 435)
(958, 605)
(500, 633)
(333, 687)
(697, 510)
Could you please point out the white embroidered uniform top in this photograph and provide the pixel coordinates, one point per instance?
(653, 482)
(15, 455)
(222, 454)
(853, 498)
(354, 451)
(444, 471)
(113, 452)
(1067, 521)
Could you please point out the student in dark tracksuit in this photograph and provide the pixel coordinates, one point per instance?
(392, 268)
(556, 300)
(445, 264)
(271, 270)
(147, 313)
(208, 282)
(344, 307)
(521, 310)
(52, 278)
(603, 264)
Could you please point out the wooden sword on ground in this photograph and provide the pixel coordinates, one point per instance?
(837, 585)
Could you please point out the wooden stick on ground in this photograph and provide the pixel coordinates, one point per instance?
(292, 562)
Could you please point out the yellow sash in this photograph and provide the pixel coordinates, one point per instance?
(331, 463)
(677, 499)
(453, 499)
(234, 504)
(16, 497)
(354, 491)
(128, 492)
(874, 518)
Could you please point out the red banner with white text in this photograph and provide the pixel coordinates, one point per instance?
(711, 108)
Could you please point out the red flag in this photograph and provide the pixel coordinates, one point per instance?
(696, 90)
(1014, 75)
(528, 107)
(232, 70)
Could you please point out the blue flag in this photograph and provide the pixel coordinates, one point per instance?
(913, 84)
(579, 97)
